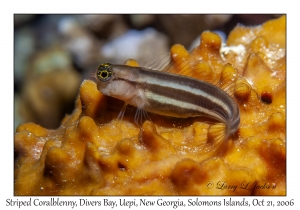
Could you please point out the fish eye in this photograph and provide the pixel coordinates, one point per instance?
(104, 72)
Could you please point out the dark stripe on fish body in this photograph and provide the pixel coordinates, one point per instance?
(185, 97)
(185, 91)
(200, 93)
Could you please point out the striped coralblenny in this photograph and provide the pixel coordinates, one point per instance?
(168, 94)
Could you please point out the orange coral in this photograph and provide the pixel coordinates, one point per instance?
(89, 154)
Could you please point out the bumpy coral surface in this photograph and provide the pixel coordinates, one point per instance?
(92, 154)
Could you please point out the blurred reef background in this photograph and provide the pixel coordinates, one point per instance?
(54, 53)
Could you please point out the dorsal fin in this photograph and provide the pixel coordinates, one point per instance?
(228, 77)
(159, 63)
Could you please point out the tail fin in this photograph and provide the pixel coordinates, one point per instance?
(218, 139)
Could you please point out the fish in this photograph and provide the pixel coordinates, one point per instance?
(169, 94)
